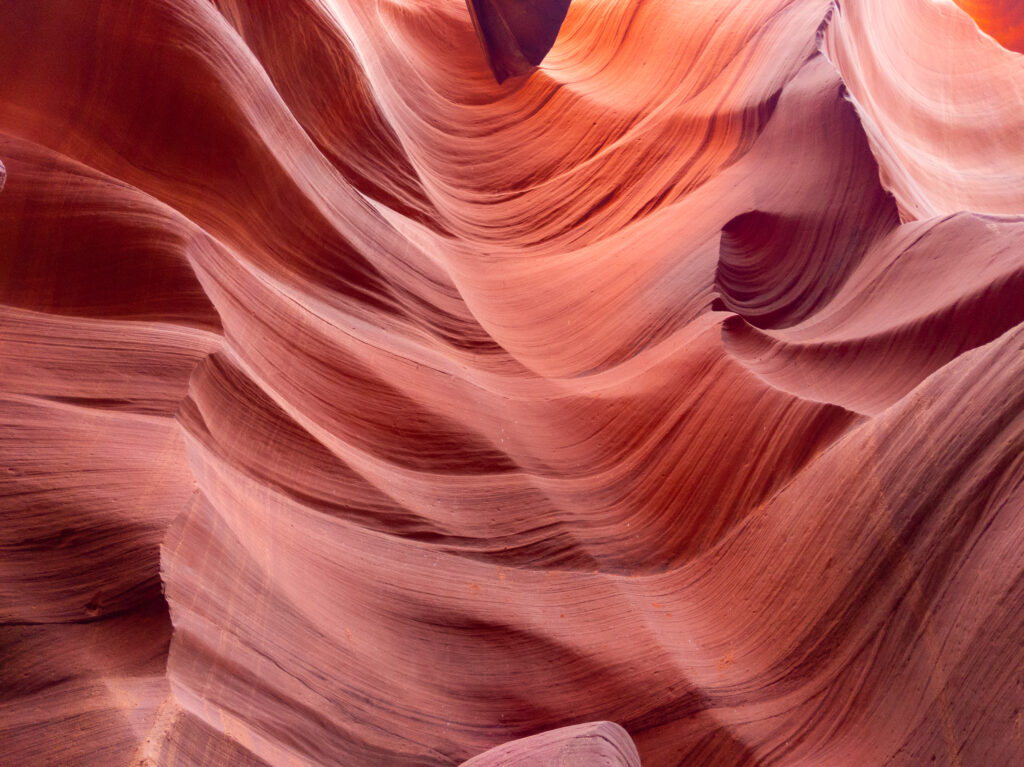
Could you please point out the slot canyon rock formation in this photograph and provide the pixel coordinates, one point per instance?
(408, 382)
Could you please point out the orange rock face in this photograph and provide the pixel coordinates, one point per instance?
(1003, 19)
(660, 403)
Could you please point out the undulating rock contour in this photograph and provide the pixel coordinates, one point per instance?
(419, 382)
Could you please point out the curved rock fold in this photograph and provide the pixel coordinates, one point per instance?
(424, 382)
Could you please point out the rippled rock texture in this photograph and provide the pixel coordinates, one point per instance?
(360, 409)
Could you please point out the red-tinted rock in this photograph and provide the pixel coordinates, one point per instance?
(599, 744)
(1003, 19)
(358, 409)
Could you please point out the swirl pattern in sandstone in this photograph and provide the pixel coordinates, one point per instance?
(359, 409)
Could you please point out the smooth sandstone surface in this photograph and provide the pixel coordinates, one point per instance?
(417, 382)
(598, 744)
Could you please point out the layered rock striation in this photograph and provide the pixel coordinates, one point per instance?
(408, 382)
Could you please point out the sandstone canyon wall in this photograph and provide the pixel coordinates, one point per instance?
(381, 388)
